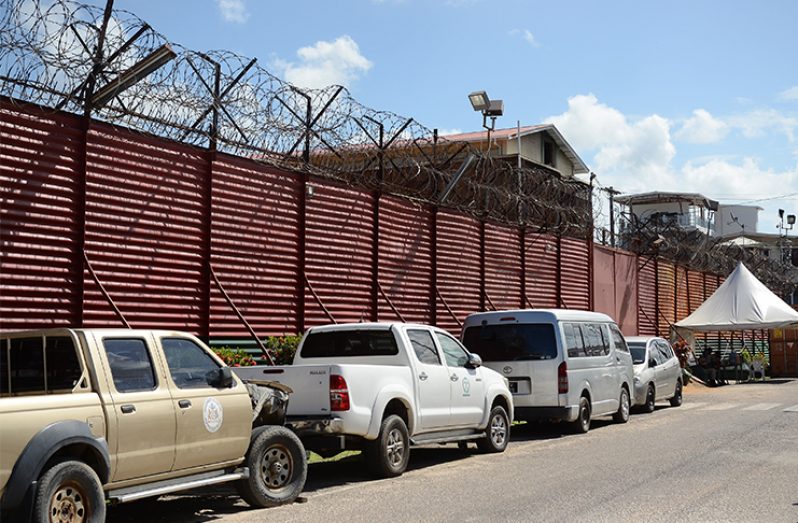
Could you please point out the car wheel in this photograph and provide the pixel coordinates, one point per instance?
(69, 492)
(278, 468)
(497, 434)
(677, 399)
(650, 399)
(388, 455)
(582, 423)
(622, 416)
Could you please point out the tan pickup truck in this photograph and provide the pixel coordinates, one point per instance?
(96, 416)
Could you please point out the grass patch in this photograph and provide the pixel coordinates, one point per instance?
(315, 458)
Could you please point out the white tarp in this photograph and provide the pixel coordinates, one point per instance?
(741, 303)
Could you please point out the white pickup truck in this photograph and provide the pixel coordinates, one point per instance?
(381, 387)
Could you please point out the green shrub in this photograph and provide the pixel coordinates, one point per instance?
(235, 357)
(283, 348)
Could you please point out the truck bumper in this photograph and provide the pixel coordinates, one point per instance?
(547, 413)
(315, 426)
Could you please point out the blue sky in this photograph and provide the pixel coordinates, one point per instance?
(688, 96)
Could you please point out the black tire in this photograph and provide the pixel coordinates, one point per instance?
(582, 423)
(625, 405)
(677, 399)
(72, 489)
(278, 468)
(497, 433)
(388, 455)
(651, 399)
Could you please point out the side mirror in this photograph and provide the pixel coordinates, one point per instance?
(221, 378)
(474, 361)
(652, 363)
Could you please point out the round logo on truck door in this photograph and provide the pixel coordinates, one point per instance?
(212, 415)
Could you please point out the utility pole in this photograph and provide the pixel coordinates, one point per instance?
(612, 193)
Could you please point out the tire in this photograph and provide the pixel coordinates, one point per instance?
(388, 455)
(278, 468)
(622, 416)
(648, 406)
(72, 490)
(582, 423)
(497, 433)
(676, 400)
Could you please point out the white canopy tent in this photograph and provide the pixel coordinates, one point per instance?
(741, 303)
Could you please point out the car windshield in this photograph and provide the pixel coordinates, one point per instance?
(510, 342)
(638, 351)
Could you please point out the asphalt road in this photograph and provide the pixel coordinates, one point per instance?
(728, 454)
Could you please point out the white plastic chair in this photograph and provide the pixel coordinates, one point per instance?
(757, 368)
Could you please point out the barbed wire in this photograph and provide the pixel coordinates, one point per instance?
(691, 248)
(217, 99)
(62, 54)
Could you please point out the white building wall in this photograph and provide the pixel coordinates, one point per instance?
(734, 219)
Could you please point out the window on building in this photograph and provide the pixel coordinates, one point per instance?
(549, 153)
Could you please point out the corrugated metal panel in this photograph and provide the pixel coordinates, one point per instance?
(541, 271)
(575, 269)
(666, 275)
(626, 293)
(604, 281)
(503, 266)
(682, 308)
(405, 255)
(254, 247)
(338, 254)
(39, 157)
(144, 230)
(696, 285)
(458, 268)
(647, 296)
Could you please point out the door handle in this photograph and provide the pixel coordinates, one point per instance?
(128, 409)
(423, 376)
(184, 404)
(454, 377)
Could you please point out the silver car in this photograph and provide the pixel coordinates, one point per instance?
(658, 375)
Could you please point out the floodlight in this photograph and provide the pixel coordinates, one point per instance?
(140, 70)
(790, 219)
(781, 213)
(479, 100)
(496, 108)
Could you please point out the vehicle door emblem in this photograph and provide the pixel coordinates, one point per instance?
(507, 369)
(466, 386)
(212, 415)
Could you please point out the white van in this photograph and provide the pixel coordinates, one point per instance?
(563, 365)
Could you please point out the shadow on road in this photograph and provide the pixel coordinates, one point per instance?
(207, 505)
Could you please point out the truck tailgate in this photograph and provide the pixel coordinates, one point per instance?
(310, 385)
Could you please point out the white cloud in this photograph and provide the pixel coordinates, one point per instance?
(325, 63)
(736, 180)
(445, 132)
(789, 94)
(756, 123)
(702, 127)
(233, 10)
(635, 154)
(527, 35)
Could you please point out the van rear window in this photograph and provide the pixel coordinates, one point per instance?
(340, 344)
(514, 341)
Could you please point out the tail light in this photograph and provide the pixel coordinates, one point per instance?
(339, 393)
(562, 378)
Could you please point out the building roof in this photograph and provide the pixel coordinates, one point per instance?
(667, 197)
(512, 132)
(759, 239)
